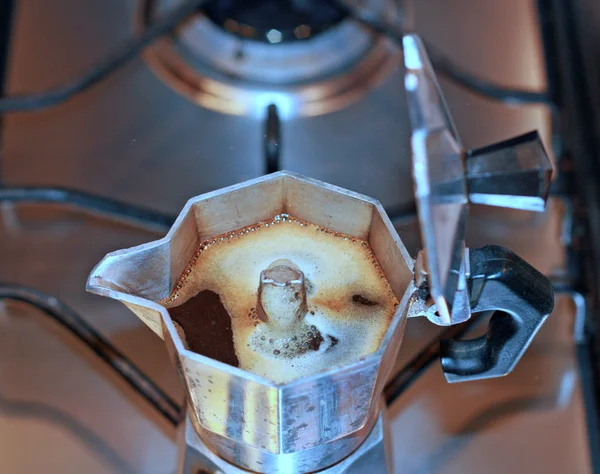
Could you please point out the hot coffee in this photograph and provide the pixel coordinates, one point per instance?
(283, 298)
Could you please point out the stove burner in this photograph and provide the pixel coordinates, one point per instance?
(274, 21)
(302, 56)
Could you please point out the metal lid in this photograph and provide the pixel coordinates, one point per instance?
(515, 173)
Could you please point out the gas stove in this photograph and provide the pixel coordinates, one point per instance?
(299, 86)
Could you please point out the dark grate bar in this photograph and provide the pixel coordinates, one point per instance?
(272, 140)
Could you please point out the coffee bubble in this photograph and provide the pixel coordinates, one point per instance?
(348, 301)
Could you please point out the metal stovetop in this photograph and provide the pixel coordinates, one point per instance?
(62, 411)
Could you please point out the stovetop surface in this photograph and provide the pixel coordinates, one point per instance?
(62, 411)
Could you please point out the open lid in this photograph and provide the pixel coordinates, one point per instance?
(515, 173)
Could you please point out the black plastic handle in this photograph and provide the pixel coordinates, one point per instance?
(522, 299)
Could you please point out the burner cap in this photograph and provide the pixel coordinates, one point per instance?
(240, 56)
(274, 21)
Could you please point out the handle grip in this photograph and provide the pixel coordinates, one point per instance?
(522, 299)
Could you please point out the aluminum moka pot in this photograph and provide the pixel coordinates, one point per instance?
(314, 422)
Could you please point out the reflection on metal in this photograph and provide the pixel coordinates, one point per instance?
(94, 204)
(580, 315)
(579, 301)
(220, 71)
(93, 340)
(567, 225)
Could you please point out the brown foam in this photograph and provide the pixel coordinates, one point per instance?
(206, 326)
(349, 300)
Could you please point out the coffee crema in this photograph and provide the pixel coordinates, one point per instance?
(347, 307)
